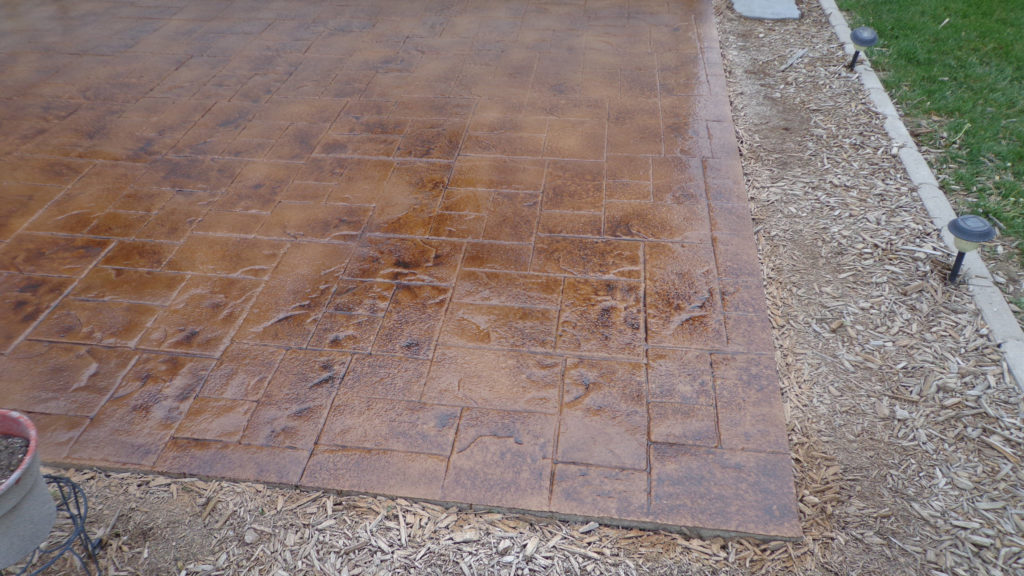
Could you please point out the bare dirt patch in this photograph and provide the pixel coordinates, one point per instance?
(904, 426)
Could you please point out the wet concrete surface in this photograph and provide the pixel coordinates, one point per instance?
(494, 253)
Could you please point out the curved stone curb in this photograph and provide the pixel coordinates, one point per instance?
(1003, 327)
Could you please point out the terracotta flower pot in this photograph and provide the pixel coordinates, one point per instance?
(27, 511)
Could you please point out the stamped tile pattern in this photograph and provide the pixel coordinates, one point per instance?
(489, 253)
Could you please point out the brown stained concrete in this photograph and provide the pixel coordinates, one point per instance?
(488, 252)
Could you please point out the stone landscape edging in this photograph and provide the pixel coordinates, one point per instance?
(1003, 327)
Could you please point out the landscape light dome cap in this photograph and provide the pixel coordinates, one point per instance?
(864, 36)
(969, 231)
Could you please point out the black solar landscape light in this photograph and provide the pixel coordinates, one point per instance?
(862, 37)
(968, 232)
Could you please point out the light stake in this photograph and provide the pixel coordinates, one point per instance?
(862, 37)
(968, 232)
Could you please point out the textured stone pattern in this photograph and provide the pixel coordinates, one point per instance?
(494, 253)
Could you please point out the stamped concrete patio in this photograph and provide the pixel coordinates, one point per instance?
(486, 252)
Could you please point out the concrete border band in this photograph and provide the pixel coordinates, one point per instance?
(1003, 327)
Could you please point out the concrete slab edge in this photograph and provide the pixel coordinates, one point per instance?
(1003, 327)
(684, 530)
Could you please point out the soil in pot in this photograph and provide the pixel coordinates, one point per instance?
(12, 452)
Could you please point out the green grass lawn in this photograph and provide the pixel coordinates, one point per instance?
(956, 70)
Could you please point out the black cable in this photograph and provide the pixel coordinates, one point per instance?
(73, 503)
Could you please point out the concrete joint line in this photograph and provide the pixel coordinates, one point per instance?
(1003, 327)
